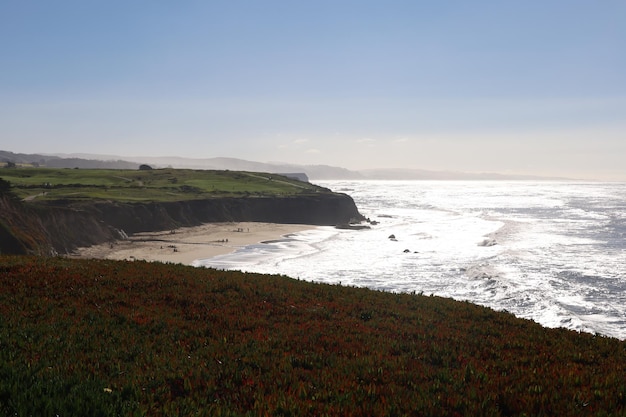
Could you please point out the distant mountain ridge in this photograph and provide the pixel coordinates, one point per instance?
(95, 161)
(314, 172)
(69, 161)
(421, 174)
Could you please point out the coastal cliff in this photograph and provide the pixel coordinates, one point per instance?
(60, 226)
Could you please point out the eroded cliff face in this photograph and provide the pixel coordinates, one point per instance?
(322, 209)
(21, 230)
(61, 227)
(47, 231)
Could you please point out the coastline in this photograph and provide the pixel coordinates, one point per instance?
(187, 244)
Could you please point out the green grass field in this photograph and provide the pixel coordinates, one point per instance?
(106, 338)
(46, 184)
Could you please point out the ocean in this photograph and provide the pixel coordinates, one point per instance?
(552, 252)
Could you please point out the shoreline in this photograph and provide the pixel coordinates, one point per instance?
(188, 244)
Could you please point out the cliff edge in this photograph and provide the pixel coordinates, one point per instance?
(59, 227)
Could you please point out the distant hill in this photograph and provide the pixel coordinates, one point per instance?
(53, 161)
(316, 172)
(420, 174)
(313, 172)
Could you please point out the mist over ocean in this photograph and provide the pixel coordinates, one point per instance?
(553, 252)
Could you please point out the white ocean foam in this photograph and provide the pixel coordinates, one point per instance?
(539, 250)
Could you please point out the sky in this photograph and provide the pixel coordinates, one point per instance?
(518, 87)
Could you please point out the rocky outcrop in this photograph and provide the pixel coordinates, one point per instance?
(60, 227)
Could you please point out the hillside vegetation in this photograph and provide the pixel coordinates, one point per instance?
(105, 338)
(158, 185)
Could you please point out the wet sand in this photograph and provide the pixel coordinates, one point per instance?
(188, 244)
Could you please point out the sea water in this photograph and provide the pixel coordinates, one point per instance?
(553, 252)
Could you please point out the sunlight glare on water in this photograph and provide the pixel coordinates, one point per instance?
(551, 252)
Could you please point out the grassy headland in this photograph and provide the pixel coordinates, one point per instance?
(134, 338)
(158, 185)
(48, 211)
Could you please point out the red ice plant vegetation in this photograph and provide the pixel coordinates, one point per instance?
(134, 338)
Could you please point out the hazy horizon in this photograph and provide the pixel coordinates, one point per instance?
(534, 88)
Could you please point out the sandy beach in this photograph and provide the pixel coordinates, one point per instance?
(187, 244)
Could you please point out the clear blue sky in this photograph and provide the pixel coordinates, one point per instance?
(535, 86)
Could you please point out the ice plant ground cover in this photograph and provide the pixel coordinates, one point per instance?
(111, 338)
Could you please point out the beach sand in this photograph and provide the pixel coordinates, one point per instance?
(188, 244)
